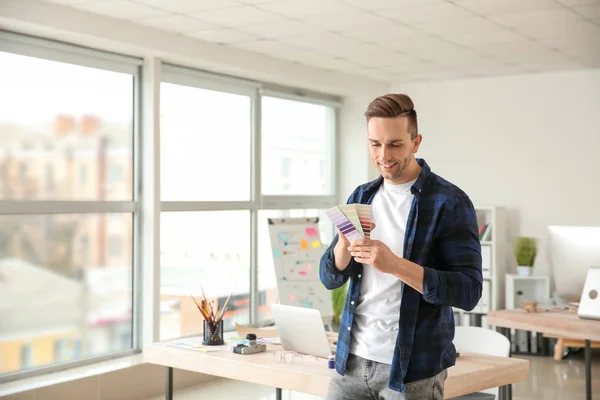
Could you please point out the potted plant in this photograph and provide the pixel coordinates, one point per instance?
(525, 252)
(339, 299)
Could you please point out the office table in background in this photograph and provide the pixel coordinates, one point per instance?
(308, 374)
(563, 323)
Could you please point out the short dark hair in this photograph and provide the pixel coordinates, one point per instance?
(392, 106)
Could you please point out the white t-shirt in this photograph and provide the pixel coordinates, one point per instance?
(375, 326)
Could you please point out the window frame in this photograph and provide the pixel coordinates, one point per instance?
(145, 205)
(46, 49)
(205, 80)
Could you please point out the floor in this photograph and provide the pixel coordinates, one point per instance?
(549, 380)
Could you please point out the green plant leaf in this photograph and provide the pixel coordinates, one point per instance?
(338, 297)
(525, 250)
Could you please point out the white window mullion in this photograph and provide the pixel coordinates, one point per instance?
(150, 200)
(256, 172)
(12, 207)
(182, 206)
(296, 202)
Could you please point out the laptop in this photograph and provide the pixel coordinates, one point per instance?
(589, 304)
(301, 330)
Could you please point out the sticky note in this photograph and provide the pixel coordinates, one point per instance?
(283, 235)
(291, 297)
(304, 244)
(311, 232)
(316, 244)
(276, 253)
(303, 273)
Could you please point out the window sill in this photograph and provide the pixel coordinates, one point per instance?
(53, 378)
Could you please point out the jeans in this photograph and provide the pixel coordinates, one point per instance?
(366, 379)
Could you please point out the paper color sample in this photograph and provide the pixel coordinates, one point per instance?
(364, 215)
(343, 224)
(350, 212)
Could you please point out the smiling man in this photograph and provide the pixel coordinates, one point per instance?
(423, 258)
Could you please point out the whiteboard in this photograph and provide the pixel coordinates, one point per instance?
(297, 249)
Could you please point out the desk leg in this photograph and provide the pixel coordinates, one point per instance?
(169, 388)
(507, 389)
(588, 370)
(277, 393)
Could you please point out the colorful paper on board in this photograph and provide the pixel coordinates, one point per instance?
(311, 232)
(283, 235)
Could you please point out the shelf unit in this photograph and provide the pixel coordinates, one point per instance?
(521, 289)
(533, 288)
(494, 260)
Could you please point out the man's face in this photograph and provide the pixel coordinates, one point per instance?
(391, 146)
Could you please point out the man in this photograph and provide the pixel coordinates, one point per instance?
(423, 258)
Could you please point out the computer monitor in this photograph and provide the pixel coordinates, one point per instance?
(573, 251)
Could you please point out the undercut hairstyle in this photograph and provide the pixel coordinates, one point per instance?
(393, 106)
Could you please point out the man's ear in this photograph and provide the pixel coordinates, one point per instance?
(417, 143)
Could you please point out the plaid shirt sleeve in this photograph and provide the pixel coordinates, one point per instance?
(332, 277)
(458, 282)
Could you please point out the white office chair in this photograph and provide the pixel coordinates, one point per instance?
(473, 339)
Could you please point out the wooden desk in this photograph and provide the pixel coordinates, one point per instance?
(563, 323)
(308, 374)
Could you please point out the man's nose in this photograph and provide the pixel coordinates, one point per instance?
(384, 153)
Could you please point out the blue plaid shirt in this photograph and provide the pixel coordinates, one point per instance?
(441, 236)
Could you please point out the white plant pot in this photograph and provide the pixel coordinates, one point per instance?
(524, 271)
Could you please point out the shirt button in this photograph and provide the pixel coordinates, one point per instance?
(348, 328)
(359, 275)
(352, 302)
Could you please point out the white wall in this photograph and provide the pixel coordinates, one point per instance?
(530, 143)
(355, 166)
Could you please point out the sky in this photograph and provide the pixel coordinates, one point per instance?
(33, 91)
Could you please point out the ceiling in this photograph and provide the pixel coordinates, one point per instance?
(392, 41)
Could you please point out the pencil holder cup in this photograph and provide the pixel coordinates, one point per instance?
(213, 333)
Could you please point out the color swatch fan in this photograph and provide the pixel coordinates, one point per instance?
(353, 220)
(364, 216)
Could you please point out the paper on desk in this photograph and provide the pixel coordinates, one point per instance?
(195, 346)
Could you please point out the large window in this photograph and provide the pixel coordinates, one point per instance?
(206, 174)
(215, 202)
(297, 147)
(79, 209)
(205, 144)
(66, 220)
(203, 251)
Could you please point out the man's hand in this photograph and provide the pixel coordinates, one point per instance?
(375, 253)
(379, 255)
(341, 254)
